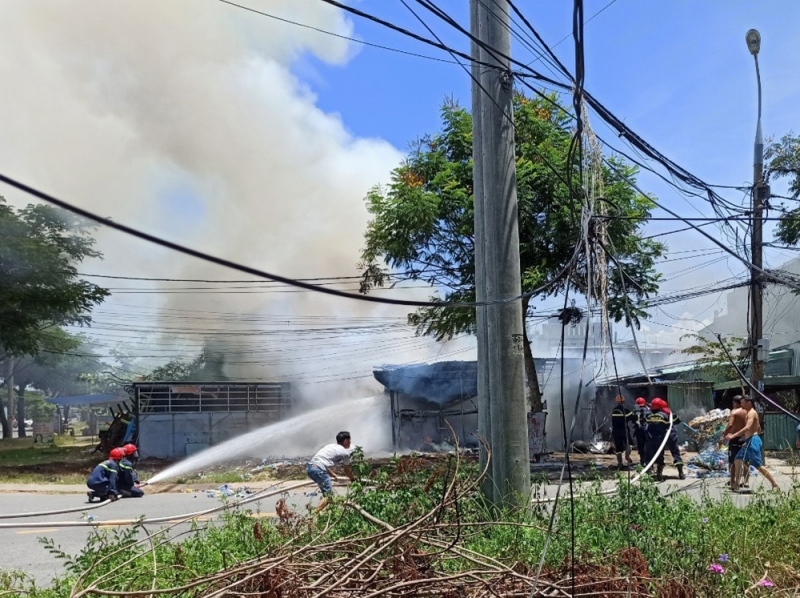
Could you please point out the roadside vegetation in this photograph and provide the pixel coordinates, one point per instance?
(416, 530)
(67, 461)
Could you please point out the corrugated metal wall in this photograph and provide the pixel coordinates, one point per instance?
(779, 432)
(177, 435)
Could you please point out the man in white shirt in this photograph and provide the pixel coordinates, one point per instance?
(320, 467)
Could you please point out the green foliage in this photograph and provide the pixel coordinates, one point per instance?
(783, 160)
(422, 225)
(677, 536)
(39, 284)
(358, 465)
(124, 555)
(208, 365)
(36, 408)
(712, 356)
(177, 370)
(423, 222)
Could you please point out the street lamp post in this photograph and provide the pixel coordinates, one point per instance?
(758, 346)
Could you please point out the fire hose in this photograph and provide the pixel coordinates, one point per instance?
(170, 519)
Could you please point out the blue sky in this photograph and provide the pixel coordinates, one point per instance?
(256, 140)
(678, 73)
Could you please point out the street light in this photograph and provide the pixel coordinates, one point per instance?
(753, 39)
(758, 346)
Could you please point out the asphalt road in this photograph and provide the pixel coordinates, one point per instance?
(24, 551)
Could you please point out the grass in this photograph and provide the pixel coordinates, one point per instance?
(68, 461)
(678, 538)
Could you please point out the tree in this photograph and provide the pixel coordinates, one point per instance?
(62, 362)
(207, 366)
(39, 283)
(783, 160)
(422, 225)
(712, 356)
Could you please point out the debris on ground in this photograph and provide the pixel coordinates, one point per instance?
(227, 491)
(706, 430)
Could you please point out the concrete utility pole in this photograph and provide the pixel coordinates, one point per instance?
(478, 195)
(759, 347)
(502, 408)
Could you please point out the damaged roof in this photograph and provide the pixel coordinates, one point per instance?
(443, 382)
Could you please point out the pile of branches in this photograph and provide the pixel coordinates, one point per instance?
(424, 557)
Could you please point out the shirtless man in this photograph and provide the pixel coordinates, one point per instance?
(736, 422)
(750, 453)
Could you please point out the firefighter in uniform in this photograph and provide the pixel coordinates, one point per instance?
(657, 426)
(102, 481)
(640, 420)
(672, 443)
(128, 481)
(621, 416)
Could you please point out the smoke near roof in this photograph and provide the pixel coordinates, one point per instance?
(185, 119)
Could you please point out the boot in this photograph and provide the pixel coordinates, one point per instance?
(90, 494)
(619, 461)
(659, 473)
(680, 471)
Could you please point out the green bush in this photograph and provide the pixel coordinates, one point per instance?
(679, 538)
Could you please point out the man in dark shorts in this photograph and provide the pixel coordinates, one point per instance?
(736, 422)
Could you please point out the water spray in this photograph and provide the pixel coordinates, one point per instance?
(300, 436)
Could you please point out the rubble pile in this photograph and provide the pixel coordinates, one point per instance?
(706, 439)
(707, 429)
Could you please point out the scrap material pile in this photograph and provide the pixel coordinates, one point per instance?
(706, 439)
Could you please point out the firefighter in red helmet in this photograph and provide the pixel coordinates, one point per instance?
(657, 426)
(102, 481)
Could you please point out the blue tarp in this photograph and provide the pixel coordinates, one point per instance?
(92, 399)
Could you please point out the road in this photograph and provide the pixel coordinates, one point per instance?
(25, 551)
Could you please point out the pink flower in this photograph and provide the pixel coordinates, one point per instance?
(765, 583)
(716, 568)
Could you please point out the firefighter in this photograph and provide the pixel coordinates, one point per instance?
(640, 420)
(128, 482)
(657, 426)
(672, 443)
(102, 481)
(621, 416)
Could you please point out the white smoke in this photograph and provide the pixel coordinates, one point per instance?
(184, 119)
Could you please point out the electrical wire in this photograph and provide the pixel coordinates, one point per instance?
(184, 517)
(331, 33)
(253, 271)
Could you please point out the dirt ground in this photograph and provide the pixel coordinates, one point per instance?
(73, 464)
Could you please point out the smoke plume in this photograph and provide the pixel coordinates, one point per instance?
(184, 119)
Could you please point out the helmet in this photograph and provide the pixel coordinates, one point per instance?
(658, 403)
(619, 399)
(116, 454)
(129, 449)
(641, 402)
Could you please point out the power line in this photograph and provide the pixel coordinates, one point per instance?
(340, 36)
(254, 271)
